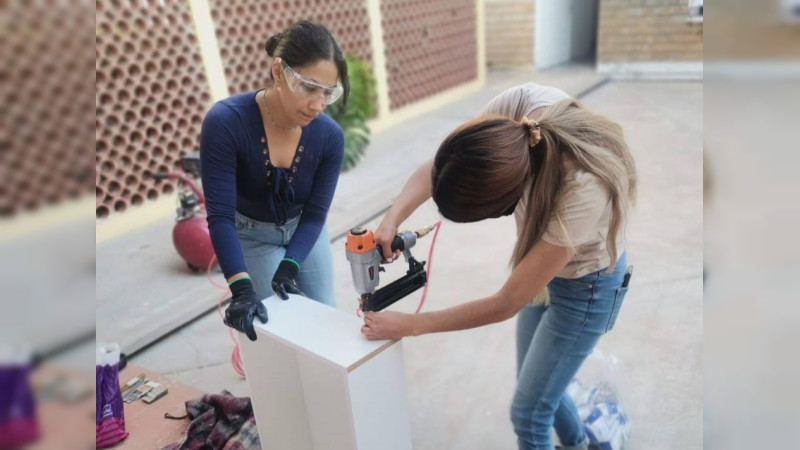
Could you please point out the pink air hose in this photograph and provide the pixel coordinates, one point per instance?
(236, 359)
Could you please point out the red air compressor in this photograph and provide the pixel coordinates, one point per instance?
(190, 234)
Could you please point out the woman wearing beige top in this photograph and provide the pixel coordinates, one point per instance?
(568, 177)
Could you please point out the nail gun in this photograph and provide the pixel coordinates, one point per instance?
(365, 258)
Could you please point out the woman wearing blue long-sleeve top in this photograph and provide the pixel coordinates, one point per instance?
(270, 161)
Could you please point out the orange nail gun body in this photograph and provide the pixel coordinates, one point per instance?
(365, 258)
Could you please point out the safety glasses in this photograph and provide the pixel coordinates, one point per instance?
(308, 88)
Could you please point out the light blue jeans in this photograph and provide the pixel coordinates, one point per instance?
(264, 246)
(552, 342)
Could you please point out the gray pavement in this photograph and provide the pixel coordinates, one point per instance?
(460, 384)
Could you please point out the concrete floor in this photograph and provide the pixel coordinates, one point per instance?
(460, 384)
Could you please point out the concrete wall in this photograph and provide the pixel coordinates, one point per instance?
(509, 32)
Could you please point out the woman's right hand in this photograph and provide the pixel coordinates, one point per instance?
(416, 191)
(384, 236)
(244, 308)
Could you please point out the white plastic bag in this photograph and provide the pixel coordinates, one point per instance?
(595, 393)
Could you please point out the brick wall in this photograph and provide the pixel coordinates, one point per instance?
(743, 35)
(509, 32)
(45, 130)
(243, 26)
(152, 91)
(430, 46)
(151, 95)
(648, 31)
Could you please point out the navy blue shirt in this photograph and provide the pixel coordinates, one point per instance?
(237, 176)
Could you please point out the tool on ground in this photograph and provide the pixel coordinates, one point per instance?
(365, 258)
(157, 390)
(63, 387)
(135, 389)
(142, 387)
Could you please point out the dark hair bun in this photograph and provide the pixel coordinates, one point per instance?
(272, 43)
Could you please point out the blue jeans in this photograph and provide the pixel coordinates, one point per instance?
(264, 246)
(552, 342)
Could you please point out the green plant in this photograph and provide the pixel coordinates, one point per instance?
(353, 116)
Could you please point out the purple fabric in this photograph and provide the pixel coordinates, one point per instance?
(110, 414)
(18, 423)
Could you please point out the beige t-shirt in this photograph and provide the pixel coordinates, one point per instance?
(584, 211)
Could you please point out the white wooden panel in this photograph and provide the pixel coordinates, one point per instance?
(317, 383)
(276, 393)
(378, 396)
(328, 403)
(318, 329)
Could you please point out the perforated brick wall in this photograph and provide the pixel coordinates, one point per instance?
(243, 26)
(152, 92)
(45, 96)
(430, 45)
(151, 97)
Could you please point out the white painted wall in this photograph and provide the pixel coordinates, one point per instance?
(553, 41)
(565, 30)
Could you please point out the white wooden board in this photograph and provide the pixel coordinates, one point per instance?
(317, 384)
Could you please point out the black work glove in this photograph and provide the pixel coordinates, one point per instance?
(283, 282)
(244, 308)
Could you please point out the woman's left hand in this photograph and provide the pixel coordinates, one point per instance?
(386, 325)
